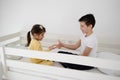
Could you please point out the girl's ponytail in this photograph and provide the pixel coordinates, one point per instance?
(28, 38)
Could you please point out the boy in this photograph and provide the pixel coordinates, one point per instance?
(88, 43)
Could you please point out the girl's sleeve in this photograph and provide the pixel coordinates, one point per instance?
(47, 50)
(38, 47)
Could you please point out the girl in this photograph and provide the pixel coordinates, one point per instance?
(37, 32)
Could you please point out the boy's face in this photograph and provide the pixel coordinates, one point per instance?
(84, 28)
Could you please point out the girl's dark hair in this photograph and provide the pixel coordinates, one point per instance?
(37, 29)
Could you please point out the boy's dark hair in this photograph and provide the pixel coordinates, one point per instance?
(88, 19)
(37, 29)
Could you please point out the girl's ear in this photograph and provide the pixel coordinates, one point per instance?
(34, 35)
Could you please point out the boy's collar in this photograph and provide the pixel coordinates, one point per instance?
(86, 35)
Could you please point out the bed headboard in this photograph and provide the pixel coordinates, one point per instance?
(20, 37)
(103, 43)
(50, 39)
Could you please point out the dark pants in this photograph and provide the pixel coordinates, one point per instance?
(74, 66)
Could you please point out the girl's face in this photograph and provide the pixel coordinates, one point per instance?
(39, 37)
(84, 28)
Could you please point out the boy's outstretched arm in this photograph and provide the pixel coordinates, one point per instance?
(69, 46)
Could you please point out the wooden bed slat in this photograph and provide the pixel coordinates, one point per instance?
(7, 37)
(96, 62)
(62, 72)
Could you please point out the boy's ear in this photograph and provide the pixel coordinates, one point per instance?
(90, 26)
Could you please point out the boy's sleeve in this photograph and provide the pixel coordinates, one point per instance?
(91, 43)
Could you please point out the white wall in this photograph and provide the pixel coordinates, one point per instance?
(61, 16)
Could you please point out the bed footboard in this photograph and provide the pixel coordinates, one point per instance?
(52, 72)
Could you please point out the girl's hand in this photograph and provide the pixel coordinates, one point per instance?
(59, 45)
(53, 47)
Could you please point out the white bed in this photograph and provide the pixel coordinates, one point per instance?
(14, 45)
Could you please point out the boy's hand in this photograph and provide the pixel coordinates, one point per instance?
(60, 44)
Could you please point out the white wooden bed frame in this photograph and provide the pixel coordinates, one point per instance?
(20, 70)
